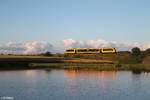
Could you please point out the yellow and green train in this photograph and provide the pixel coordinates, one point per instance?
(89, 50)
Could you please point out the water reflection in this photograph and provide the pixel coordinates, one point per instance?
(85, 72)
(89, 77)
(30, 73)
(74, 84)
(136, 71)
(48, 70)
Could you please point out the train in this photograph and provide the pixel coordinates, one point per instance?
(89, 50)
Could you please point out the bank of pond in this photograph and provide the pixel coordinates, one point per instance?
(67, 65)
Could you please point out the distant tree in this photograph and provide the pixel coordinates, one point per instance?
(147, 51)
(1, 54)
(136, 51)
(47, 53)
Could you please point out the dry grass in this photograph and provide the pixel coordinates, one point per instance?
(146, 60)
(87, 61)
(26, 56)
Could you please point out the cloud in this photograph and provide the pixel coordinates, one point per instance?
(40, 47)
(26, 48)
(103, 43)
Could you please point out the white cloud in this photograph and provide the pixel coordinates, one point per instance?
(103, 43)
(26, 48)
(40, 47)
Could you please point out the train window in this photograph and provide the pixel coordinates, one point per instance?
(107, 49)
(70, 50)
(82, 50)
(93, 50)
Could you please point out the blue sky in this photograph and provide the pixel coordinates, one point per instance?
(56, 20)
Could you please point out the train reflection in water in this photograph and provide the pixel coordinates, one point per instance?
(86, 72)
(87, 77)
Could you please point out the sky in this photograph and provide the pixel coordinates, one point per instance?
(55, 21)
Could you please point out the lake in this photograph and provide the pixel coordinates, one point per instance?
(74, 85)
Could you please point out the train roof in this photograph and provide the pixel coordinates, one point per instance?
(91, 48)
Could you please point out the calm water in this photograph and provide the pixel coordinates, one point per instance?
(74, 85)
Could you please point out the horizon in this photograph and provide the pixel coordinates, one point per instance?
(34, 26)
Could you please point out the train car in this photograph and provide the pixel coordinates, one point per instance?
(89, 50)
(108, 50)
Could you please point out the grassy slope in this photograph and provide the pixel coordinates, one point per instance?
(111, 63)
(146, 60)
(88, 61)
(141, 67)
(25, 56)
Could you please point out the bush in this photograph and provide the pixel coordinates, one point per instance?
(133, 59)
(47, 53)
(136, 51)
(147, 52)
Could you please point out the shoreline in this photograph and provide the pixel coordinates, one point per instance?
(21, 63)
(95, 66)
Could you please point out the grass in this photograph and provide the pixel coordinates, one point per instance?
(74, 65)
(69, 65)
(26, 56)
(112, 62)
(142, 67)
(133, 67)
(88, 61)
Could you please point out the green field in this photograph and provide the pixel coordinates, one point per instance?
(100, 62)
